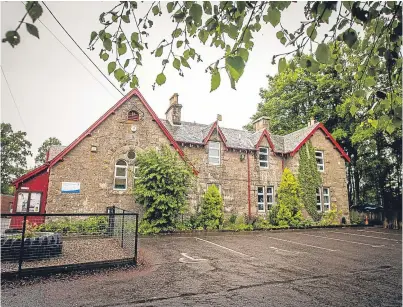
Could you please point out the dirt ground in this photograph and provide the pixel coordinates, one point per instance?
(321, 267)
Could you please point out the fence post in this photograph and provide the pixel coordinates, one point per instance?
(24, 225)
(136, 238)
(123, 225)
(111, 226)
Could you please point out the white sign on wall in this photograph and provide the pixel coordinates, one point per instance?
(71, 187)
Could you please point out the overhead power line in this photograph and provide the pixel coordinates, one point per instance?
(81, 48)
(12, 96)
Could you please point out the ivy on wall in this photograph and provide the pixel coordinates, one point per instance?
(309, 179)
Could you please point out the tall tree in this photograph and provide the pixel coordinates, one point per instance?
(14, 151)
(43, 149)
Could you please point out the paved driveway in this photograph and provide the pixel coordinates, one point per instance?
(332, 267)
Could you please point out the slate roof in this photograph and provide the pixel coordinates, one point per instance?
(194, 133)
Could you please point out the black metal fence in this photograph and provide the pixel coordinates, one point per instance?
(34, 244)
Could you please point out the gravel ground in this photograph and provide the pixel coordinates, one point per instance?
(77, 251)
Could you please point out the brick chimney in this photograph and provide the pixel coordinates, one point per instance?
(261, 123)
(173, 114)
(311, 122)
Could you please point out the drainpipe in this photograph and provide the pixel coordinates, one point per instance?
(282, 163)
(249, 202)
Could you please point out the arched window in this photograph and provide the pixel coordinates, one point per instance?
(120, 180)
(133, 115)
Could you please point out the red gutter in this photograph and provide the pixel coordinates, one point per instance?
(249, 200)
(30, 174)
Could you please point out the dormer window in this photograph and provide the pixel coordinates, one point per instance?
(133, 115)
(263, 157)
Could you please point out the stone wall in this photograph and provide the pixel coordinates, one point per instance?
(113, 139)
(334, 174)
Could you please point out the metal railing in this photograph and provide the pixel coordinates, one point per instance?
(34, 244)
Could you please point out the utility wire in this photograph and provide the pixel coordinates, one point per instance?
(80, 48)
(12, 96)
(95, 78)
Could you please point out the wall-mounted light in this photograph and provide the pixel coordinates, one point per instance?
(93, 148)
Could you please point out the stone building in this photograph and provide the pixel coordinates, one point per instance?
(97, 169)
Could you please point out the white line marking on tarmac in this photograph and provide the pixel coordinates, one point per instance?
(331, 250)
(284, 250)
(381, 232)
(353, 242)
(192, 260)
(234, 251)
(354, 234)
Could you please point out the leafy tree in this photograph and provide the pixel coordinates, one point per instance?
(211, 213)
(309, 179)
(41, 156)
(231, 26)
(162, 187)
(288, 211)
(14, 151)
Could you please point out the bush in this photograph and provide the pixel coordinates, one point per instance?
(262, 223)
(146, 228)
(331, 217)
(162, 187)
(90, 225)
(288, 211)
(238, 225)
(355, 217)
(211, 213)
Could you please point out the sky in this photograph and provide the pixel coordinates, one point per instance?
(57, 97)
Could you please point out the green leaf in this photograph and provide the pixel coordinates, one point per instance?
(34, 9)
(313, 66)
(108, 44)
(342, 24)
(170, 6)
(93, 36)
(369, 81)
(32, 30)
(126, 63)
(176, 63)
(159, 51)
(350, 37)
(184, 62)
(104, 56)
(161, 79)
(233, 31)
(359, 93)
(339, 68)
(126, 18)
(280, 34)
(322, 53)
(111, 67)
(119, 74)
(12, 37)
(176, 33)
(155, 10)
(179, 44)
(135, 82)
(353, 110)
(122, 48)
(207, 7)
(282, 65)
(203, 36)
(235, 66)
(348, 4)
(311, 32)
(135, 37)
(215, 80)
(283, 40)
(390, 128)
(244, 53)
(273, 16)
(196, 12)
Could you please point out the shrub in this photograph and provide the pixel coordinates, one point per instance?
(288, 211)
(162, 187)
(238, 225)
(90, 225)
(262, 223)
(309, 179)
(331, 217)
(355, 217)
(146, 228)
(211, 213)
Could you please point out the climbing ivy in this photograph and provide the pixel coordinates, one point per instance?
(309, 179)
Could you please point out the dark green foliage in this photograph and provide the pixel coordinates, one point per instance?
(289, 201)
(309, 179)
(90, 225)
(14, 151)
(211, 212)
(162, 187)
(237, 223)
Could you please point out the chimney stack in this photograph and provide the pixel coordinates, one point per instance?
(261, 123)
(311, 122)
(173, 114)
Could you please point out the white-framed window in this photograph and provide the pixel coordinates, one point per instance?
(263, 157)
(318, 200)
(269, 197)
(120, 179)
(326, 199)
(135, 172)
(260, 199)
(214, 153)
(320, 162)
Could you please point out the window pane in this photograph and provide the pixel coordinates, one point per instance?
(318, 154)
(260, 198)
(214, 145)
(214, 153)
(213, 160)
(260, 190)
(263, 164)
(263, 150)
(120, 171)
(120, 184)
(262, 157)
(121, 162)
(22, 202)
(318, 207)
(269, 190)
(269, 199)
(261, 207)
(35, 202)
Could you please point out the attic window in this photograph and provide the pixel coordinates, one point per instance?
(133, 115)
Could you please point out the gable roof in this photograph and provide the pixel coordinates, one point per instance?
(66, 150)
